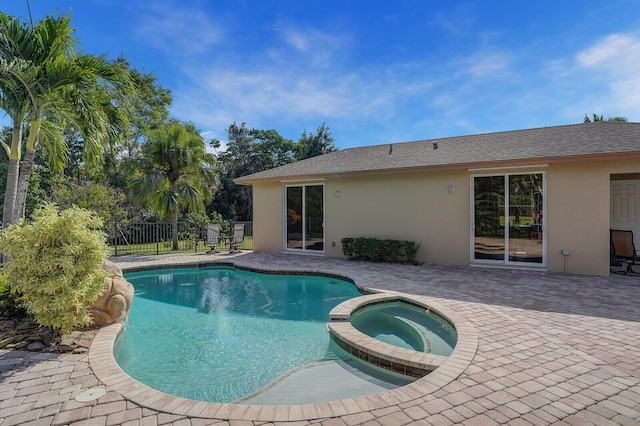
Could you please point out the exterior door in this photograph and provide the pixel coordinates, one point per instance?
(625, 207)
(507, 220)
(304, 218)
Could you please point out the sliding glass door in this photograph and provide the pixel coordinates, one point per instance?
(489, 230)
(508, 224)
(304, 219)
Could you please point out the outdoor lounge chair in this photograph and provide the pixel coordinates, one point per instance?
(213, 237)
(624, 249)
(237, 239)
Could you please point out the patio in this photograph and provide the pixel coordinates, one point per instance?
(552, 348)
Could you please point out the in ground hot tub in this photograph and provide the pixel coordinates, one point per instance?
(396, 332)
(406, 325)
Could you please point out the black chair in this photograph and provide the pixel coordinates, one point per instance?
(623, 249)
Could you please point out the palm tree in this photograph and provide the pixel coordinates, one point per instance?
(59, 87)
(179, 173)
(597, 118)
(74, 91)
(14, 101)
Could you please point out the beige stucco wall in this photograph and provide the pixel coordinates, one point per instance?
(415, 206)
(418, 206)
(578, 218)
(267, 217)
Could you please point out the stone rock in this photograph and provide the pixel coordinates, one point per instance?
(67, 344)
(22, 345)
(100, 317)
(6, 342)
(115, 300)
(117, 307)
(66, 341)
(113, 269)
(36, 346)
(27, 326)
(83, 343)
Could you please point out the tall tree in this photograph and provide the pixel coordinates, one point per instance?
(271, 150)
(312, 145)
(178, 173)
(248, 151)
(60, 86)
(14, 101)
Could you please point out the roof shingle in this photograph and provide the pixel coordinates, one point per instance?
(547, 144)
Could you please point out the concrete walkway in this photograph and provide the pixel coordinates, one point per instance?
(551, 349)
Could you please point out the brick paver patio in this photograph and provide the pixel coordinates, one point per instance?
(551, 349)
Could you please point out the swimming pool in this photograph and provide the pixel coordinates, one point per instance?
(220, 333)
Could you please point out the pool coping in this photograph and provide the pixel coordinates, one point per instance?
(384, 355)
(106, 369)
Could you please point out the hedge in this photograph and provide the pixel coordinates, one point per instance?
(379, 250)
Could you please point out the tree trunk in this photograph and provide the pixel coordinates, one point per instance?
(10, 194)
(23, 184)
(174, 225)
(174, 213)
(27, 165)
(12, 174)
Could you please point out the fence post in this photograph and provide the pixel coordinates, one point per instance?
(157, 238)
(196, 236)
(115, 235)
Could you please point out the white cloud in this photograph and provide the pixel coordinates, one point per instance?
(487, 64)
(308, 76)
(613, 61)
(617, 52)
(297, 41)
(175, 29)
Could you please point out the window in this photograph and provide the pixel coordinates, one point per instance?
(304, 218)
(508, 225)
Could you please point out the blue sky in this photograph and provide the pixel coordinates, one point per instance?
(374, 71)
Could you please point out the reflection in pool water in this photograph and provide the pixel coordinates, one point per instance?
(218, 333)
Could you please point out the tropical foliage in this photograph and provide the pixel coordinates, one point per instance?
(47, 86)
(178, 173)
(9, 305)
(108, 141)
(253, 150)
(597, 118)
(55, 264)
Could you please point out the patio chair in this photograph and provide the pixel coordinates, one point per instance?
(237, 239)
(213, 237)
(624, 249)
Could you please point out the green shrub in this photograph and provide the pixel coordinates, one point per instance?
(378, 250)
(55, 264)
(9, 305)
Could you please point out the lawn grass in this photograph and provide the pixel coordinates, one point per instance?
(164, 247)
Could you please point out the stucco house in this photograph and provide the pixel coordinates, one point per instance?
(540, 198)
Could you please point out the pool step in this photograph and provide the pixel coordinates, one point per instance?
(415, 326)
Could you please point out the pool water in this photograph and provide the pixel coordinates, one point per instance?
(407, 326)
(218, 333)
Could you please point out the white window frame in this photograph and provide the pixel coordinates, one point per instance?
(304, 249)
(506, 261)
